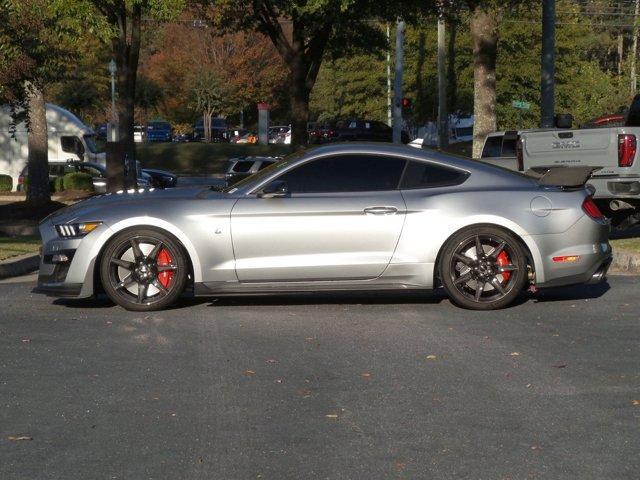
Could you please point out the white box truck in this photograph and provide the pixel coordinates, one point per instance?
(69, 140)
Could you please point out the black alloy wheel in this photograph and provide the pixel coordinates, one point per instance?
(143, 270)
(483, 268)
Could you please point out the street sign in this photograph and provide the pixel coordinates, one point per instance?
(521, 104)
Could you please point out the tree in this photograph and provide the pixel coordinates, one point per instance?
(126, 17)
(246, 63)
(208, 98)
(303, 31)
(37, 41)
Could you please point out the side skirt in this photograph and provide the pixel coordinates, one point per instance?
(275, 288)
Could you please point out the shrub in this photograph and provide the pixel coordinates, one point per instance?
(58, 184)
(6, 183)
(77, 181)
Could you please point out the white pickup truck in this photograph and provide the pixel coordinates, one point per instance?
(613, 150)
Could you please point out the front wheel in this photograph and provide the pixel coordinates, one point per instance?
(483, 268)
(143, 270)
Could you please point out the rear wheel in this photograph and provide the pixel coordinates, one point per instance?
(143, 270)
(483, 268)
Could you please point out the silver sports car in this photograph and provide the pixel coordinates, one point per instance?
(339, 217)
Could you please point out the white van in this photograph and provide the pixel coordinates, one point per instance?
(69, 140)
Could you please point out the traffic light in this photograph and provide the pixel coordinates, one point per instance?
(406, 103)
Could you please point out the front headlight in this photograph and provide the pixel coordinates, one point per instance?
(72, 230)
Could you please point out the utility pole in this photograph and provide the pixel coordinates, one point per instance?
(547, 78)
(443, 117)
(634, 48)
(397, 86)
(389, 107)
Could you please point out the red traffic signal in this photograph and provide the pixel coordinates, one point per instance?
(406, 102)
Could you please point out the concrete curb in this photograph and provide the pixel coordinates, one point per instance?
(625, 262)
(23, 229)
(14, 267)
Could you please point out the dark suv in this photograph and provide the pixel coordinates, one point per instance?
(354, 130)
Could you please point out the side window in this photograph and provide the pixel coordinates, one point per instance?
(345, 173)
(72, 145)
(242, 167)
(492, 147)
(429, 175)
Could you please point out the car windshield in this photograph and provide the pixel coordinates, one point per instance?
(265, 172)
(93, 145)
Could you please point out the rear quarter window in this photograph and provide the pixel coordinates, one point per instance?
(429, 175)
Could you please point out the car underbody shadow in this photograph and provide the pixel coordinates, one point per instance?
(573, 292)
(434, 297)
(322, 298)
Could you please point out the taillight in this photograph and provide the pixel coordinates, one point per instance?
(626, 150)
(591, 209)
(21, 180)
(519, 155)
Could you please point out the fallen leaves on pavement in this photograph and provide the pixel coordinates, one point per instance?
(248, 372)
(431, 357)
(20, 438)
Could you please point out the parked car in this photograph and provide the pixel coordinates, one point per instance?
(338, 217)
(354, 130)
(97, 171)
(161, 178)
(158, 131)
(183, 137)
(218, 130)
(278, 133)
(243, 167)
(249, 137)
(235, 134)
(138, 134)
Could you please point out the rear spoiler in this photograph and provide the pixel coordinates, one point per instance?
(571, 177)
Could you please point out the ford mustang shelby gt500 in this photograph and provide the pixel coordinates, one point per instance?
(338, 217)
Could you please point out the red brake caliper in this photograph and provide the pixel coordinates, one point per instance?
(164, 258)
(503, 259)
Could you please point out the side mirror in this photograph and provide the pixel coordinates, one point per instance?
(275, 189)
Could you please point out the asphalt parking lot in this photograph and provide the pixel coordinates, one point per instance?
(321, 387)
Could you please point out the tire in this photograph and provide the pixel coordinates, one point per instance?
(143, 270)
(501, 268)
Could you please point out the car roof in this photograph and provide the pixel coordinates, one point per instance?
(484, 174)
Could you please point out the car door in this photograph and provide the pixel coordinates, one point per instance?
(341, 219)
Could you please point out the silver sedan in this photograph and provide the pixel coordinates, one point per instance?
(339, 217)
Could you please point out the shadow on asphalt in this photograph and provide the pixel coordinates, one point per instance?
(577, 292)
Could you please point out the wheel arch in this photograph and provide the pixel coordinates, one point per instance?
(531, 262)
(97, 283)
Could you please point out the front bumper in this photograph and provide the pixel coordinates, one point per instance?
(75, 277)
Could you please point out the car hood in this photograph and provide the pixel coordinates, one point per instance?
(134, 202)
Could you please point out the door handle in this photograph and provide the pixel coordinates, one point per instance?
(380, 210)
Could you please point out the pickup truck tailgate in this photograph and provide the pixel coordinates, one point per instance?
(594, 147)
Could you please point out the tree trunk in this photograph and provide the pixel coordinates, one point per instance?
(484, 36)
(38, 191)
(303, 55)
(126, 49)
(299, 106)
